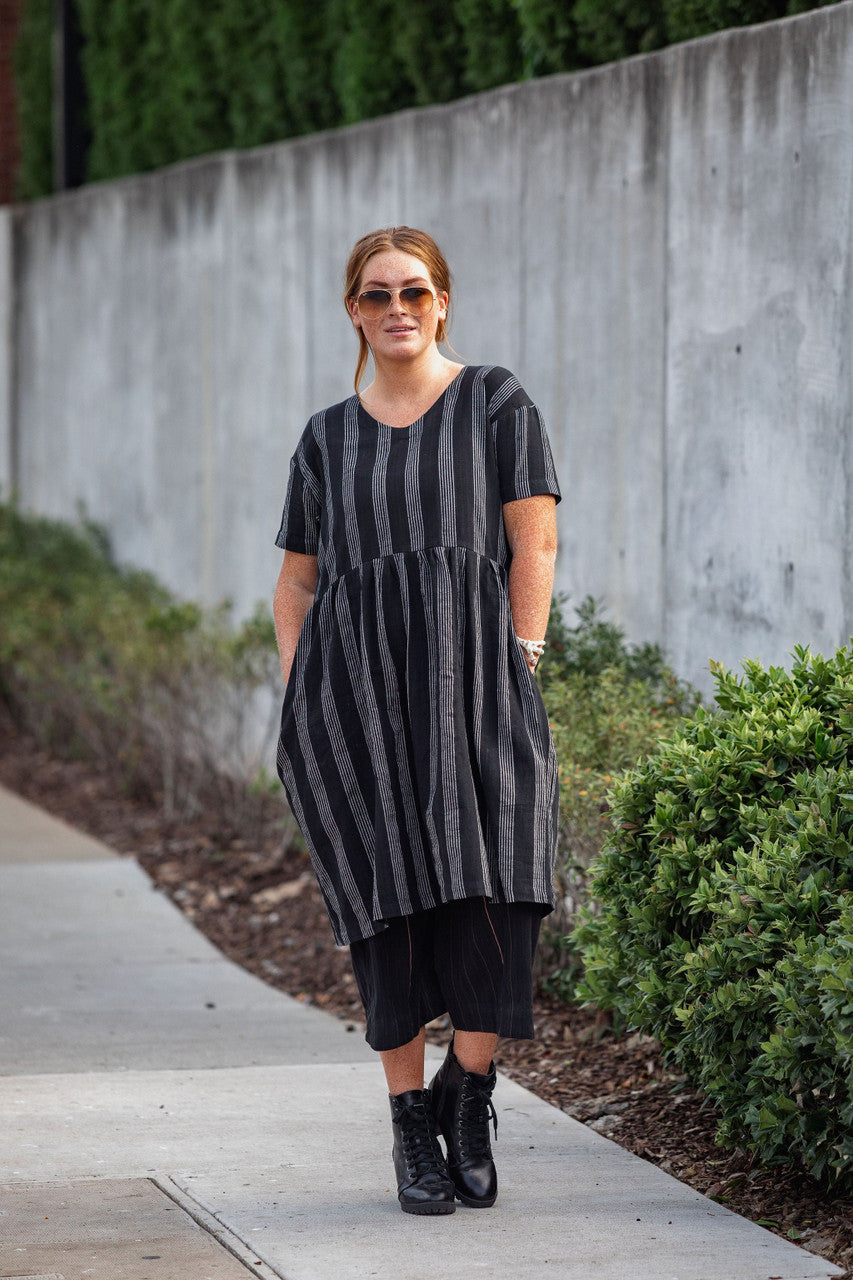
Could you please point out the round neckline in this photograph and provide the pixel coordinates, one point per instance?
(387, 426)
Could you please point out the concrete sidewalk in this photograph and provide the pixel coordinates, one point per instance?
(167, 1116)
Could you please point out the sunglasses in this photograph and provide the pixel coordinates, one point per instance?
(417, 299)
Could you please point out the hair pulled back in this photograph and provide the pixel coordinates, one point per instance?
(419, 244)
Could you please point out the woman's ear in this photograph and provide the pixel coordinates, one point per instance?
(352, 308)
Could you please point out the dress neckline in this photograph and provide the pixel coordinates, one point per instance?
(437, 401)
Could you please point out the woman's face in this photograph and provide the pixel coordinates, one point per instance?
(398, 335)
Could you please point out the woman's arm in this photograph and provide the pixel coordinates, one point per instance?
(294, 595)
(531, 530)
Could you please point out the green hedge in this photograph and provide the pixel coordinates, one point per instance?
(170, 79)
(101, 662)
(725, 921)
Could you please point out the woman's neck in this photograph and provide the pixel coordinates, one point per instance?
(404, 394)
(402, 380)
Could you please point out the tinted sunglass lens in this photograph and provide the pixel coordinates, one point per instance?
(373, 303)
(417, 300)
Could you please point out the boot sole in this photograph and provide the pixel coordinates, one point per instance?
(477, 1204)
(446, 1206)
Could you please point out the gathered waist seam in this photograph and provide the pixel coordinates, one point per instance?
(413, 551)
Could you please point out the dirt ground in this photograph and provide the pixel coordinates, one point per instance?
(253, 894)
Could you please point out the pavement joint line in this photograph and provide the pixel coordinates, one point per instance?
(207, 1219)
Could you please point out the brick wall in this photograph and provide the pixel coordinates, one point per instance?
(9, 13)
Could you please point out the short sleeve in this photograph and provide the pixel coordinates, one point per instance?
(525, 462)
(300, 520)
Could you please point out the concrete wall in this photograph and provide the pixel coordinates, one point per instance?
(661, 249)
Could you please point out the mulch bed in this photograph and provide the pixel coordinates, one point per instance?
(253, 894)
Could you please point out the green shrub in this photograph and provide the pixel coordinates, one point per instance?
(306, 39)
(249, 61)
(491, 43)
(609, 703)
(428, 41)
(686, 19)
(548, 37)
(365, 84)
(101, 662)
(725, 914)
(593, 645)
(620, 28)
(153, 84)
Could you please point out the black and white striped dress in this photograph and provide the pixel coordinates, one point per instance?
(415, 748)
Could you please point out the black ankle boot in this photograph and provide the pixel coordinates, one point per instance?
(422, 1182)
(462, 1106)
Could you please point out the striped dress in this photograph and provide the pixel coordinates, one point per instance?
(415, 748)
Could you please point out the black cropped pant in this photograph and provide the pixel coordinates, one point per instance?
(471, 959)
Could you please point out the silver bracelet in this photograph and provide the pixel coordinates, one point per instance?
(535, 648)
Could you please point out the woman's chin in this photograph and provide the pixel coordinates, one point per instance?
(400, 350)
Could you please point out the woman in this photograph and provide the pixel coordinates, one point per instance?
(419, 536)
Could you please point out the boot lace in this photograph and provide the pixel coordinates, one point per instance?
(476, 1109)
(417, 1135)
